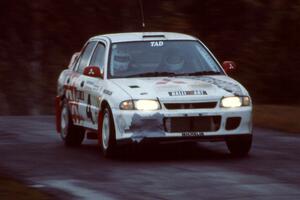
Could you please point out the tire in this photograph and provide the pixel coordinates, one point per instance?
(107, 134)
(239, 146)
(71, 135)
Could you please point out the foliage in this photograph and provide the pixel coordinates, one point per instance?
(37, 39)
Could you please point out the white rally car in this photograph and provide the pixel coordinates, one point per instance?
(139, 87)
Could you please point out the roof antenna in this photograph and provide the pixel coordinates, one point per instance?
(142, 13)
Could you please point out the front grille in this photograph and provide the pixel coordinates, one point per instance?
(192, 124)
(174, 106)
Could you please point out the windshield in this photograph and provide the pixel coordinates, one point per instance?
(160, 58)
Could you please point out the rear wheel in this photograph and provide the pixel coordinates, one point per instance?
(239, 145)
(107, 134)
(71, 135)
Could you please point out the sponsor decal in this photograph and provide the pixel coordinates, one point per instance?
(88, 88)
(189, 92)
(74, 112)
(192, 134)
(92, 86)
(157, 44)
(225, 85)
(95, 88)
(80, 95)
(90, 83)
(166, 81)
(107, 92)
(89, 110)
(72, 95)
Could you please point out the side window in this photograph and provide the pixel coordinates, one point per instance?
(85, 56)
(98, 56)
(74, 60)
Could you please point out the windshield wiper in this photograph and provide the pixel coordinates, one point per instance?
(152, 74)
(198, 73)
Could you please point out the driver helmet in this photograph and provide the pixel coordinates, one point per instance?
(174, 60)
(121, 61)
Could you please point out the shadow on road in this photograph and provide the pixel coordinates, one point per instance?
(164, 152)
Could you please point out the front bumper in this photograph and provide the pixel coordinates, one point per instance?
(168, 140)
(139, 125)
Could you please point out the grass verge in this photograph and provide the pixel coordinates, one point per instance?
(280, 117)
(12, 189)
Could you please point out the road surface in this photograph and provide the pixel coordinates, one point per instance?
(32, 151)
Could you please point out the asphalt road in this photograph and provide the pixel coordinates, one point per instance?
(31, 150)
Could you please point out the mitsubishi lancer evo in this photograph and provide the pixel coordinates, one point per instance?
(153, 86)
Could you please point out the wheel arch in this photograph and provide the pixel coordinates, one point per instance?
(105, 107)
(104, 104)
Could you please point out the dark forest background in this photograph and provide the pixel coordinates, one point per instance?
(38, 37)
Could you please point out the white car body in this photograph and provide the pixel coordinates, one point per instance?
(86, 96)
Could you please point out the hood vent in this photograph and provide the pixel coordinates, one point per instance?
(134, 86)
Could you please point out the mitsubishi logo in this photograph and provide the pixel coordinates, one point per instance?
(91, 72)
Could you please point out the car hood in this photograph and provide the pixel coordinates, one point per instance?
(181, 88)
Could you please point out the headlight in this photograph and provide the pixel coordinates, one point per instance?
(233, 102)
(146, 105)
(127, 105)
(140, 105)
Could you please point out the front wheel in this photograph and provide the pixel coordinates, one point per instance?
(71, 135)
(107, 133)
(239, 145)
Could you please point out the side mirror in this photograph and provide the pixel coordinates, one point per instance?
(92, 71)
(229, 66)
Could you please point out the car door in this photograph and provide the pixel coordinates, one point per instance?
(79, 84)
(93, 85)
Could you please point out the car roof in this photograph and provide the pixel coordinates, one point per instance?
(144, 36)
